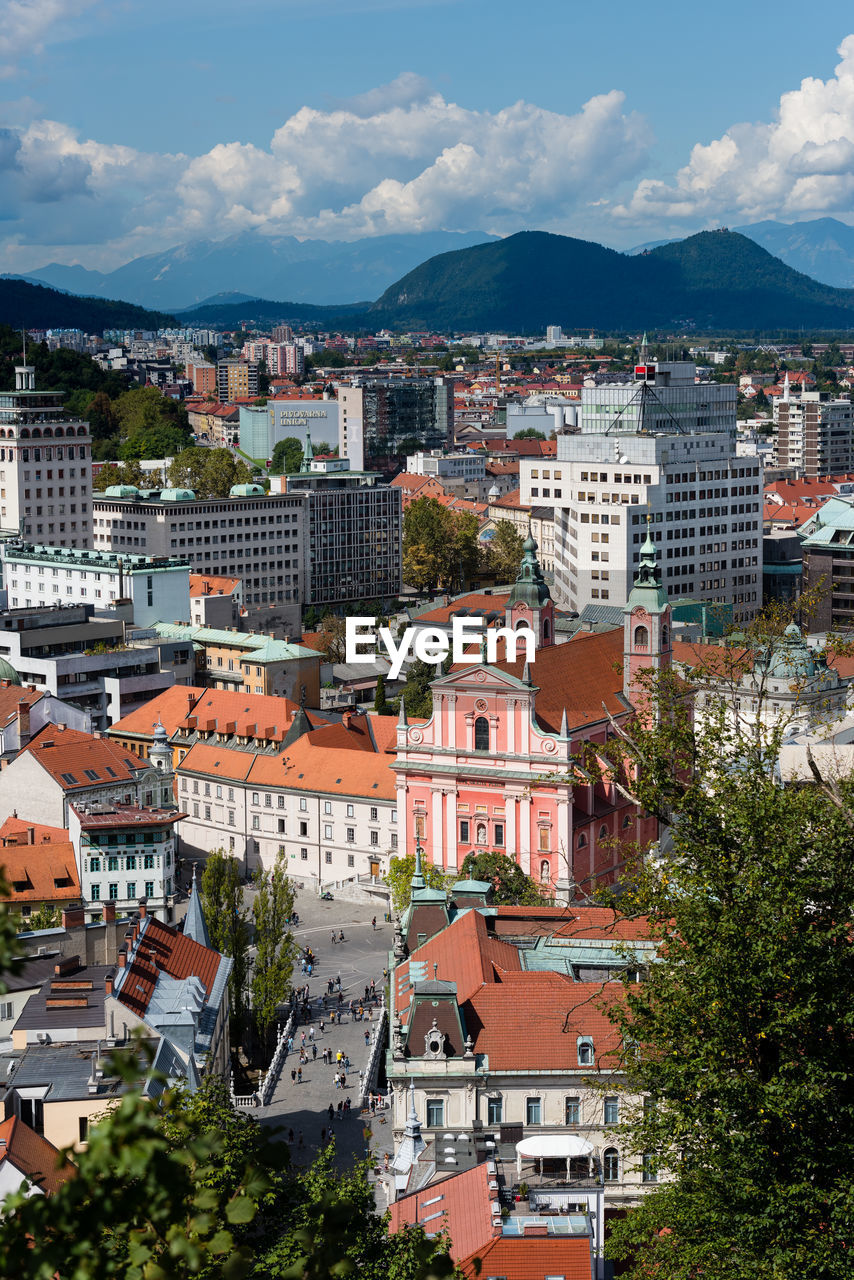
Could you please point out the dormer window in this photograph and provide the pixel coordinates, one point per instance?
(585, 1051)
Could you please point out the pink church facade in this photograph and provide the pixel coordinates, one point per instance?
(496, 765)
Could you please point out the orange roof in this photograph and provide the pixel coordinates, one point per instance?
(77, 760)
(43, 872)
(217, 762)
(511, 499)
(32, 1155)
(475, 600)
(14, 827)
(580, 676)
(458, 1205)
(256, 714)
(463, 953)
(11, 695)
(529, 1258)
(165, 950)
(205, 584)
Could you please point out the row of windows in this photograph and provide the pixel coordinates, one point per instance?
(147, 861)
(130, 890)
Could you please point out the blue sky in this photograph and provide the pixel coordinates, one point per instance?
(131, 127)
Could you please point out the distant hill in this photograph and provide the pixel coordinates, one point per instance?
(713, 280)
(261, 311)
(32, 306)
(249, 263)
(822, 248)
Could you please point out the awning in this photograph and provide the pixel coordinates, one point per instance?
(553, 1146)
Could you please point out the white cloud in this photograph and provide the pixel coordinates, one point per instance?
(799, 165)
(26, 26)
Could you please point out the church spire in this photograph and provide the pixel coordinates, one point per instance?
(418, 881)
(195, 926)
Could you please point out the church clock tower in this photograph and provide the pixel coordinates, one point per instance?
(647, 629)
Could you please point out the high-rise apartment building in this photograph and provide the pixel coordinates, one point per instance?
(45, 466)
(813, 434)
(660, 449)
(203, 377)
(283, 333)
(236, 380)
(383, 419)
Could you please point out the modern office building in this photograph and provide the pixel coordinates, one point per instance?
(262, 427)
(381, 418)
(251, 535)
(662, 447)
(353, 548)
(813, 433)
(45, 466)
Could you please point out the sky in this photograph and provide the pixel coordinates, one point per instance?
(130, 127)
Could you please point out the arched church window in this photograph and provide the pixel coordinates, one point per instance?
(582, 840)
(481, 734)
(665, 636)
(641, 638)
(546, 629)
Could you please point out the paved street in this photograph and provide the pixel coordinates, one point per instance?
(360, 959)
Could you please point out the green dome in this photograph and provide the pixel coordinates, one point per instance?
(791, 657)
(8, 672)
(121, 491)
(246, 490)
(177, 495)
(530, 587)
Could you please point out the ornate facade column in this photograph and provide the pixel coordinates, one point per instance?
(524, 855)
(437, 837)
(451, 730)
(451, 829)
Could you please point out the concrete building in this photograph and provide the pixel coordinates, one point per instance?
(251, 535)
(215, 601)
(664, 446)
(92, 664)
(448, 467)
(828, 564)
(353, 548)
(236, 380)
(262, 427)
(158, 587)
(813, 433)
(45, 466)
(381, 417)
(249, 663)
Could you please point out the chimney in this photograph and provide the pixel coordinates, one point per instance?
(143, 909)
(73, 916)
(31, 835)
(123, 958)
(23, 722)
(108, 984)
(108, 912)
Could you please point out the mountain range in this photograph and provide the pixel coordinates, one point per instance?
(316, 271)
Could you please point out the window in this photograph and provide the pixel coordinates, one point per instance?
(585, 1051)
(280, 800)
(131, 890)
(464, 831)
(303, 804)
(112, 863)
(494, 1110)
(94, 864)
(611, 1164)
(130, 862)
(533, 1110)
(435, 1113)
(499, 834)
(350, 811)
(374, 814)
(149, 888)
(481, 734)
(582, 840)
(572, 1111)
(83, 1128)
(303, 828)
(327, 830)
(95, 893)
(328, 857)
(148, 862)
(649, 1168)
(641, 638)
(351, 861)
(544, 839)
(375, 837)
(6, 1010)
(256, 822)
(351, 835)
(114, 892)
(303, 853)
(612, 1111)
(327, 806)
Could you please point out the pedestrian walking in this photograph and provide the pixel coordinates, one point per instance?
(331, 1114)
(340, 1001)
(314, 1053)
(302, 1041)
(347, 1105)
(370, 1014)
(299, 1075)
(290, 1044)
(374, 923)
(367, 1038)
(311, 1033)
(293, 1075)
(332, 1018)
(334, 939)
(338, 982)
(320, 1026)
(340, 1108)
(300, 1142)
(290, 1135)
(343, 1081)
(337, 1079)
(367, 992)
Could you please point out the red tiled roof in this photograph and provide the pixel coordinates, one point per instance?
(532, 1259)
(14, 827)
(458, 1205)
(500, 1015)
(31, 1154)
(205, 584)
(171, 708)
(260, 714)
(162, 949)
(33, 870)
(11, 695)
(463, 953)
(580, 676)
(67, 754)
(473, 601)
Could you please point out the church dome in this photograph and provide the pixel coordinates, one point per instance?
(8, 672)
(791, 657)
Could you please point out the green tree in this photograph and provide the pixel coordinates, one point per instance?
(272, 909)
(228, 925)
(416, 692)
(505, 552)
(143, 1204)
(380, 704)
(210, 473)
(333, 635)
(529, 433)
(742, 1033)
(45, 917)
(510, 885)
(401, 869)
(439, 545)
(287, 456)
(187, 469)
(150, 425)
